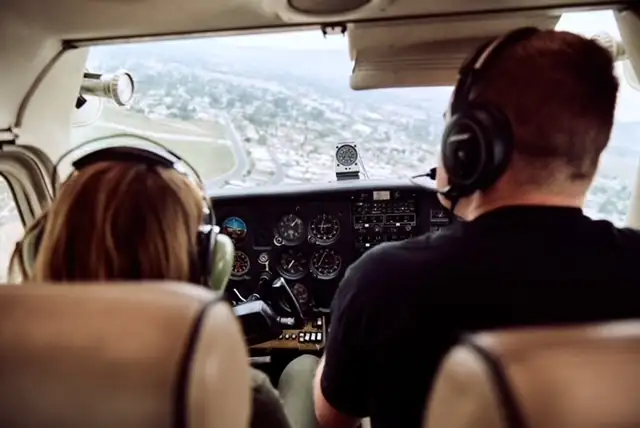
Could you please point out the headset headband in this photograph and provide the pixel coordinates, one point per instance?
(156, 155)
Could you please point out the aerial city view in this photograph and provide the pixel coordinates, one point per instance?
(254, 115)
(251, 116)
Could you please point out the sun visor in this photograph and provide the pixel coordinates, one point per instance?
(424, 52)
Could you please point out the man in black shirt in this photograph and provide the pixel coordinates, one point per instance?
(530, 116)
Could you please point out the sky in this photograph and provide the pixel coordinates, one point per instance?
(585, 23)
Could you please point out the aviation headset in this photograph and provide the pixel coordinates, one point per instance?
(202, 261)
(477, 143)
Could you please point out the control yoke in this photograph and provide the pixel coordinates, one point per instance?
(281, 287)
(259, 322)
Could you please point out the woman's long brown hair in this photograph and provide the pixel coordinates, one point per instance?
(118, 220)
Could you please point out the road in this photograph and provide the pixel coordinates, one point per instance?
(242, 163)
(243, 166)
(278, 175)
(151, 134)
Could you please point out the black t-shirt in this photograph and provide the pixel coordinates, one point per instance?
(402, 305)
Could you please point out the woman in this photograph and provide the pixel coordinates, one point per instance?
(133, 221)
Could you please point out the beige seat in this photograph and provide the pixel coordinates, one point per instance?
(569, 377)
(120, 355)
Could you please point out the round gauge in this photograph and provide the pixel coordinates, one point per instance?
(326, 263)
(292, 264)
(291, 229)
(241, 264)
(300, 293)
(235, 228)
(325, 229)
(347, 155)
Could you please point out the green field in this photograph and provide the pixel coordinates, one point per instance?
(210, 157)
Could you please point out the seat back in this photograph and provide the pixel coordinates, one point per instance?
(563, 377)
(121, 355)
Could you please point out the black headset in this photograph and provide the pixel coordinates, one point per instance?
(477, 143)
(202, 261)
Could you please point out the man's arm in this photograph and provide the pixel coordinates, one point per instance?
(327, 416)
(341, 382)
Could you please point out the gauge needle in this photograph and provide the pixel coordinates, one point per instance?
(291, 264)
(322, 258)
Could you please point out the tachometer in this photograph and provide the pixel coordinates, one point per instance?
(324, 229)
(292, 264)
(241, 264)
(291, 229)
(326, 263)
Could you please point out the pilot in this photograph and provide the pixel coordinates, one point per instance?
(532, 112)
(131, 221)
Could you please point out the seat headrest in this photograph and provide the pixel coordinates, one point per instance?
(152, 354)
(563, 377)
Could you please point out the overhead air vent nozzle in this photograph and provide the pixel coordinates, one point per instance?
(325, 10)
(327, 7)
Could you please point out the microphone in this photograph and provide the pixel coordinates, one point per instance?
(449, 193)
(431, 174)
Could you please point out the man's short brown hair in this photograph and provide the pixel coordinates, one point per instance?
(559, 91)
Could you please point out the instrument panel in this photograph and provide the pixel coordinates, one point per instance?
(309, 234)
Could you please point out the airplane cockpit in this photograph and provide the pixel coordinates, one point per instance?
(315, 126)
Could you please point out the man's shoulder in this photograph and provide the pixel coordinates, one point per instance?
(411, 259)
(400, 255)
(624, 238)
(632, 236)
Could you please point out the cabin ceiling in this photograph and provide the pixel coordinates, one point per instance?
(91, 21)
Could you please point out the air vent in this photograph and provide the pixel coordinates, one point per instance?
(327, 7)
(299, 11)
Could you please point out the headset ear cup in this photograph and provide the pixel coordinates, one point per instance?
(498, 142)
(476, 148)
(29, 247)
(462, 153)
(221, 261)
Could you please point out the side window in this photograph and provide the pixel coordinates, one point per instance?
(11, 227)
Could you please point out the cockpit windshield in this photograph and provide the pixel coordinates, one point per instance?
(270, 109)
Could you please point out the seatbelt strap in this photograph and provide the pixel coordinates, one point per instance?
(511, 410)
(181, 411)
